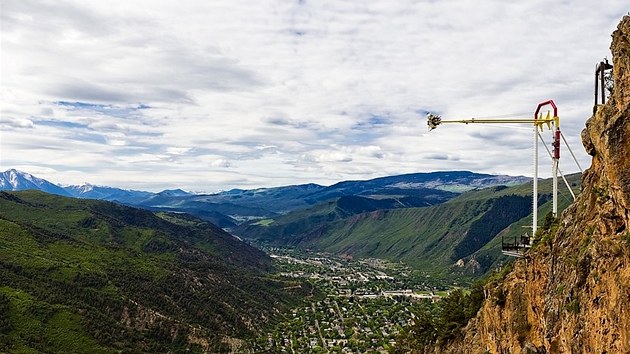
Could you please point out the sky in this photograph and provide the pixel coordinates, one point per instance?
(221, 94)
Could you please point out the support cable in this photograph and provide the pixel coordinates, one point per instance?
(565, 197)
(571, 151)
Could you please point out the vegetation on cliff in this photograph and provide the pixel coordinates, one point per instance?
(436, 325)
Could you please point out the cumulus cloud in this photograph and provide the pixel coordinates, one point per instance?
(173, 150)
(325, 157)
(220, 163)
(228, 94)
(8, 122)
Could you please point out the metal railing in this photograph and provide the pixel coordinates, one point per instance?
(516, 248)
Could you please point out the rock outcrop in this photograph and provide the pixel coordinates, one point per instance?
(571, 293)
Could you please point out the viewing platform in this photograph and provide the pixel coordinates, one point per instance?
(518, 247)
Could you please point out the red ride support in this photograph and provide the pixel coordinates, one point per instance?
(556, 145)
(556, 137)
(542, 104)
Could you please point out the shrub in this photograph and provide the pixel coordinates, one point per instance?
(573, 306)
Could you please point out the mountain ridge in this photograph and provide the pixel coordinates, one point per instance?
(242, 205)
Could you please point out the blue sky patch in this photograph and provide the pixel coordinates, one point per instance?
(61, 124)
(106, 109)
(374, 121)
(89, 137)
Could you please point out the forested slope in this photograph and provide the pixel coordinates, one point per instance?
(92, 276)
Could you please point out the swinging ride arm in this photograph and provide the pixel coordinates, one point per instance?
(434, 120)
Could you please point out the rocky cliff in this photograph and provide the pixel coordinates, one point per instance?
(571, 293)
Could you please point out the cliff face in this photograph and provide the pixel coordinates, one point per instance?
(571, 293)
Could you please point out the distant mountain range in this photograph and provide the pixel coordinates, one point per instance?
(230, 208)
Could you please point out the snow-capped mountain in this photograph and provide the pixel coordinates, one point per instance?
(15, 180)
(90, 191)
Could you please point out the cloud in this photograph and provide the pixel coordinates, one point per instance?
(220, 163)
(229, 94)
(85, 91)
(99, 54)
(436, 156)
(177, 150)
(8, 122)
(327, 157)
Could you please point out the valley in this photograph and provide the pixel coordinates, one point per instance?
(361, 307)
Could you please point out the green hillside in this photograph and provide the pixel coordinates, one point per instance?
(292, 228)
(288, 227)
(92, 276)
(433, 238)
